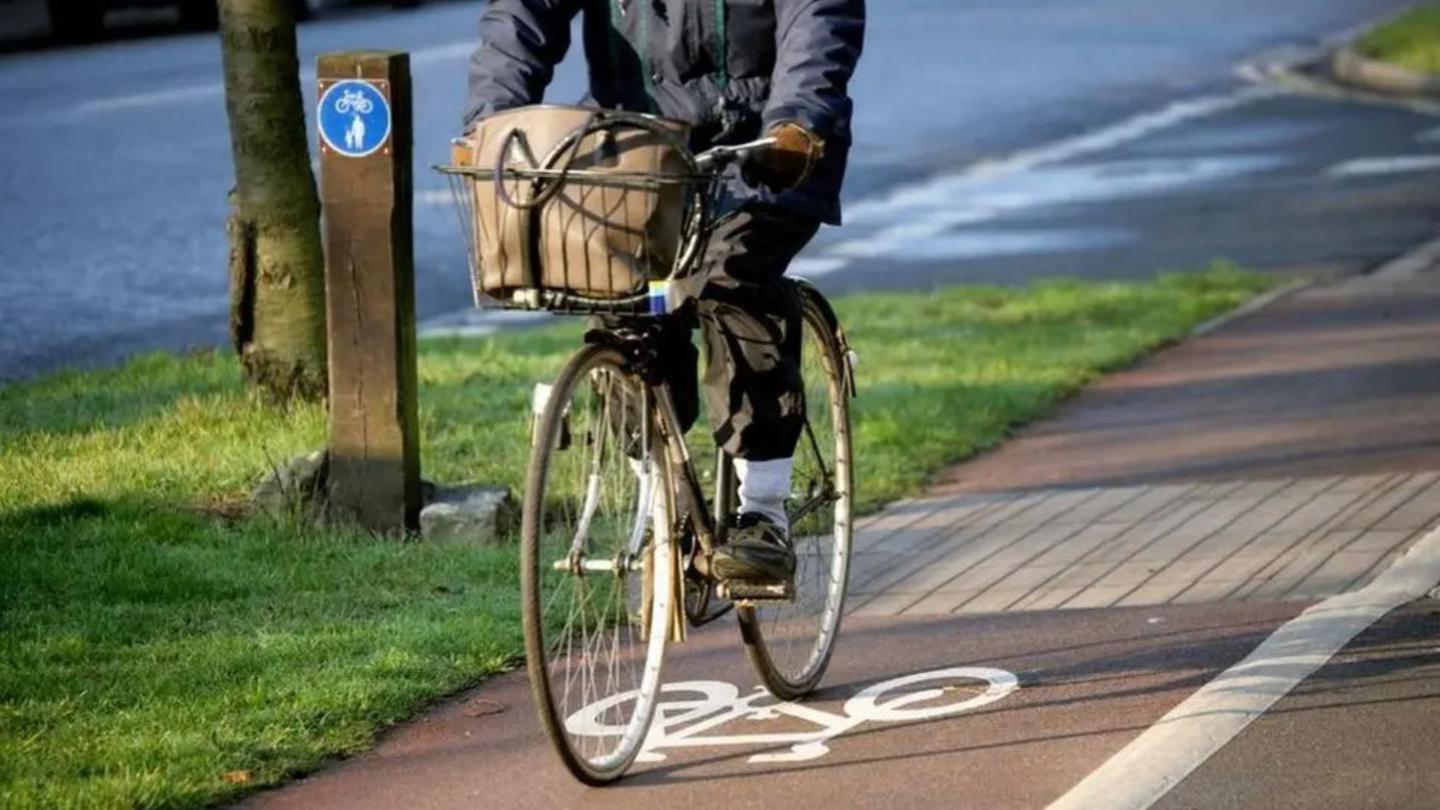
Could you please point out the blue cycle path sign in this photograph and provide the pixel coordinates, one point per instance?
(354, 117)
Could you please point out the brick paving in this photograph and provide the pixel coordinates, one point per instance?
(1288, 456)
(1270, 540)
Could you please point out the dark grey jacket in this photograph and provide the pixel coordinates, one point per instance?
(732, 68)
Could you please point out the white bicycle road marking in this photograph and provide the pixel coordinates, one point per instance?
(697, 710)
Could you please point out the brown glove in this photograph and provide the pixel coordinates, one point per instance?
(789, 162)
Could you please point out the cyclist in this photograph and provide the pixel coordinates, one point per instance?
(735, 70)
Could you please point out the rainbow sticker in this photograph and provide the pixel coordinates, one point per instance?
(659, 297)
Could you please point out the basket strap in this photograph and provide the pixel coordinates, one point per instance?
(542, 193)
(548, 192)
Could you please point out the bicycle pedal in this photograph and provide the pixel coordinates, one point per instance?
(746, 592)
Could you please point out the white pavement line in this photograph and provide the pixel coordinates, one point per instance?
(926, 210)
(476, 322)
(157, 97)
(812, 266)
(440, 53)
(1429, 136)
(1182, 740)
(1118, 134)
(1412, 264)
(1396, 164)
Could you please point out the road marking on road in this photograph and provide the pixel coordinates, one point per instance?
(442, 53)
(690, 722)
(1395, 164)
(477, 322)
(1131, 129)
(1181, 741)
(195, 92)
(1429, 136)
(929, 211)
(813, 267)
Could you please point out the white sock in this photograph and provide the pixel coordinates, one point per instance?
(764, 486)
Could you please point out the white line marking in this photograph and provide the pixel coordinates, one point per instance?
(1397, 164)
(461, 331)
(473, 322)
(1429, 136)
(896, 237)
(811, 266)
(1118, 134)
(440, 53)
(194, 92)
(1177, 744)
(927, 209)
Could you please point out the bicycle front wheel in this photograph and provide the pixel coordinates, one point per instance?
(597, 565)
(789, 643)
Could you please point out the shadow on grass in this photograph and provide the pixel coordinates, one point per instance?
(46, 516)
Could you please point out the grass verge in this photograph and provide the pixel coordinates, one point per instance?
(156, 650)
(1411, 40)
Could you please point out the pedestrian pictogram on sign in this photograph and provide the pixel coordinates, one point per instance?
(354, 117)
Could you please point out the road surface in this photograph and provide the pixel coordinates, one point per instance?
(116, 159)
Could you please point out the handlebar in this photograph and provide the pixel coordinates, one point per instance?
(717, 157)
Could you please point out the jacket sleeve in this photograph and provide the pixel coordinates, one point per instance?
(818, 44)
(521, 42)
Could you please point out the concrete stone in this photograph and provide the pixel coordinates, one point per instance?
(294, 488)
(469, 514)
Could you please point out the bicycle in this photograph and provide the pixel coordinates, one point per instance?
(616, 526)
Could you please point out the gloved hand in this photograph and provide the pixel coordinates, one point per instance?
(789, 162)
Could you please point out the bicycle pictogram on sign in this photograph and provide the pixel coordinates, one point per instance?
(353, 100)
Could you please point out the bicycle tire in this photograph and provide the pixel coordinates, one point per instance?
(771, 632)
(557, 665)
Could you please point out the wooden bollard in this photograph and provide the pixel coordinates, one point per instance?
(364, 117)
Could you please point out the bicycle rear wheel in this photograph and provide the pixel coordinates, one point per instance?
(789, 643)
(597, 565)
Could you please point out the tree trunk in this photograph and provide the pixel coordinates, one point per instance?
(277, 282)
